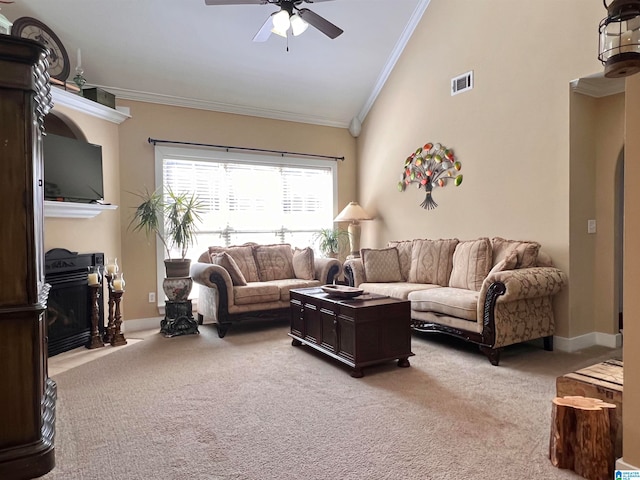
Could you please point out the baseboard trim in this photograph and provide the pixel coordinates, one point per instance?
(587, 340)
(622, 465)
(141, 324)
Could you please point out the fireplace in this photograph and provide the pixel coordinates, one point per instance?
(69, 307)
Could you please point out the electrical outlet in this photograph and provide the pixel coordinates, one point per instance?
(591, 226)
(152, 297)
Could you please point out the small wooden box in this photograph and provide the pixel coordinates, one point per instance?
(603, 381)
(101, 96)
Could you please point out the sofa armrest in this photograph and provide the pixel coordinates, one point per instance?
(327, 269)
(214, 276)
(525, 283)
(354, 272)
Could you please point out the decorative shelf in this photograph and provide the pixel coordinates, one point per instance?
(81, 104)
(74, 210)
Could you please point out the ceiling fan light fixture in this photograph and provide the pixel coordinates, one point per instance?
(282, 33)
(619, 42)
(298, 25)
(281, 22)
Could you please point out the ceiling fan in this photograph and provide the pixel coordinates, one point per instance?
(289, 16)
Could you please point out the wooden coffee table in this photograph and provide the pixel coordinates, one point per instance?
(358, 332)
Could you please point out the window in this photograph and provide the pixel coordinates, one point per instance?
(251, 197)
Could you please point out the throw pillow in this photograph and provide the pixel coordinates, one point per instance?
(432, 260)
(404, 252)
(275, 262)
(527, 251)
(381, 265)
(243, 256)
(507, 263)
(471, 264)
(229, 264)
(303, 265)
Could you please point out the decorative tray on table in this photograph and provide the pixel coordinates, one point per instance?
(342, 291)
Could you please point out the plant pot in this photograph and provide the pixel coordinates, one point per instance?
(177, 289)
(175, 268)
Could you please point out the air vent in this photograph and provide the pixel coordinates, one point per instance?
(462, 83)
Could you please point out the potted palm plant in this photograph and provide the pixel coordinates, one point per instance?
(331, 241)
(179, 214)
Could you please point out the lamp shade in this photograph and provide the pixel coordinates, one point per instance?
(352, 213)
(298, 25)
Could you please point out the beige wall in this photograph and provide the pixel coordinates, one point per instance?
(631, 353)
(190, 125)
(538, 161)
(609, 139)
(596, 140)
(511, 132)
(101, 233)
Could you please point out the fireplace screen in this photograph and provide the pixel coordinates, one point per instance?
(69, 306)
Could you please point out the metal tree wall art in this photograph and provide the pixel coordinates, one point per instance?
(433, 165)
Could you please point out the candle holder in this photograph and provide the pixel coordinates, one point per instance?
(95, 286)
(118, 337)
(108, 334)
(79, 79)
(111, 266)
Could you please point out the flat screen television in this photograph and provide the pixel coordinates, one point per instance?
(72, 170)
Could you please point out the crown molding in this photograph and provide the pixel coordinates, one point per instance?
(598, 86)
(125, 94)
(84, 105)
(134, 95)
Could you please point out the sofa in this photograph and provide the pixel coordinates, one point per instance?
(252, 281)
(492, 292)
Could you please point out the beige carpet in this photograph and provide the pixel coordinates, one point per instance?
(251, 406)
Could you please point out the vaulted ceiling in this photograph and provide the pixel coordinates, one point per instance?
(187, 53)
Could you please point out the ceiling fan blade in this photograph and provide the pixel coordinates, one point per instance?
(325, 26)
(235, 2)
(265, 31)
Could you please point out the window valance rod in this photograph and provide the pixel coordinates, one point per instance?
(282, 153)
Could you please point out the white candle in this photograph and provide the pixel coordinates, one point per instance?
(111, 268)
(79, 59)
(93, 279)
(117, 285)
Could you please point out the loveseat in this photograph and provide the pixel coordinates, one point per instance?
(492, 292)
(253, 281)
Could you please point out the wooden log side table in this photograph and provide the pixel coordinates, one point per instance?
(178, 319)
(603, 380)
(583, 436)
(366, 330)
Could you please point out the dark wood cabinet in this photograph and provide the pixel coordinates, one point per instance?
(359, 332)
(27, 395)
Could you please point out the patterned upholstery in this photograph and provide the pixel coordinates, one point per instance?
(527, 251)
(497, 295)
(381, 265)
(471, 264)
(226, 261)
(404, 252)
(432, 261)
(274, 262)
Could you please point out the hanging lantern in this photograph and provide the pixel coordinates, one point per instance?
(619, 45)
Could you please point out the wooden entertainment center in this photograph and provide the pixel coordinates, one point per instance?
(27, 403)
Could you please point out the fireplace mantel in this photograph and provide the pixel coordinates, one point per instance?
(74, 210)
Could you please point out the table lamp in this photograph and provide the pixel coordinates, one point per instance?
(353, 213)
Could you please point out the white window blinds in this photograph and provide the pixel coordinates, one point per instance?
(269, 200)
